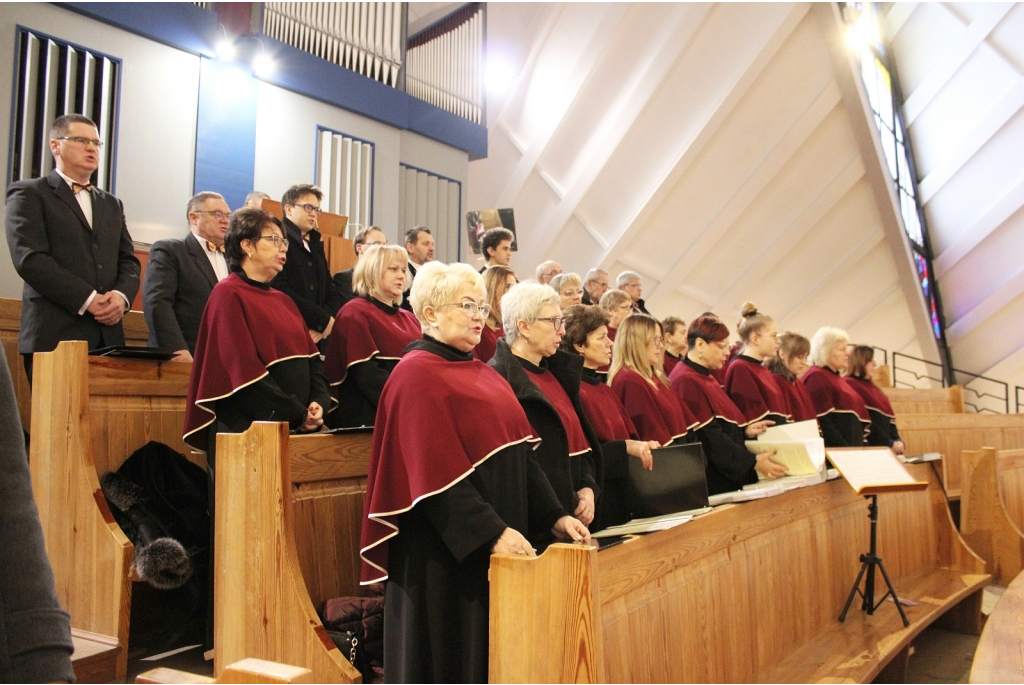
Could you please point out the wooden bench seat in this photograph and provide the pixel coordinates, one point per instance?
(951, 434)
(999, 657)
(985, 523)
(95, 656)
(244, 671)
(747, 593)
(89, 414)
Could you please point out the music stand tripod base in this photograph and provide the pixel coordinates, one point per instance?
(868, 563)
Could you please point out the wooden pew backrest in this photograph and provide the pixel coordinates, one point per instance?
(998, 658)
(951, 434)
(926, 400)
(984, 522)
(748, 593)
(1010, 473)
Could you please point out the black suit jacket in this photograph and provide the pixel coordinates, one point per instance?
(306, 279)
(343, 284)
(62, 260)
(179, 280)
(406, 305)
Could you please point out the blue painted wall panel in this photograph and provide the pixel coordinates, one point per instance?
(226, 131)
(178, 24)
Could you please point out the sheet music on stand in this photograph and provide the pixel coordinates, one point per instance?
(873, 470)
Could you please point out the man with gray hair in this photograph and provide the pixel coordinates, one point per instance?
(595, 284)
(180, 276)
(255, 199)
(548, 270)
(629, 282)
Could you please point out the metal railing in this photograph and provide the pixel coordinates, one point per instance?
(982, 395)
(1020, 402)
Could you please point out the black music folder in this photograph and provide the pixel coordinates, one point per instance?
(677, 483)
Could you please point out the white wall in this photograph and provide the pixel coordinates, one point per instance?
(157, 129)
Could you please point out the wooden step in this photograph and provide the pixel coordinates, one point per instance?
(95, 657)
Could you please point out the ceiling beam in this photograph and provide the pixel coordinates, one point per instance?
(977, 232)
(1006, 293)
(687, 150)
(897, 16)
(953, 58)
(970, 144)
(760, 176)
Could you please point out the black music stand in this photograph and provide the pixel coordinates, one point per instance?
(869, 562)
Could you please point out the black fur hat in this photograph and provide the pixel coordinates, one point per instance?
(163, 563)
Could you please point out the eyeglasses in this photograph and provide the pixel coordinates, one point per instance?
(83, 141)
(471, 308)
(658, 342)
(218, 214)
(572, 293)
(309, 208)
(625, 307)
(556, 321)
(278, 241)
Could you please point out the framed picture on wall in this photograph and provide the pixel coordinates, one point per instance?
(480, 221)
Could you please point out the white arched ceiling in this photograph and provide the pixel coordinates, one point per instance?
(961, 66)
(720, 150)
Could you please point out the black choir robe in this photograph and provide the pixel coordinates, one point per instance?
(613, 427)
(436, 617)
(720, 430)
(883, 432)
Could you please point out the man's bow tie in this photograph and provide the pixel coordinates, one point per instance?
(75, 187)
(214, 248)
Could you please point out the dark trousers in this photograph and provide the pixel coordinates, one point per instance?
(27, 358)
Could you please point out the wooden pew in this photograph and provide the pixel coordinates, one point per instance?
(925, 400)
(999, 657)
(244, 671)
(89, 414)
(748, 593)
(951, 434)
(286, 538)
(1010, 468)
(135, 332)
(984, 522)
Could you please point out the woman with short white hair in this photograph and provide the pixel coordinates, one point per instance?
(453, 479)
(370, 334)
(546, 381)
(569, 288)
(842, 415)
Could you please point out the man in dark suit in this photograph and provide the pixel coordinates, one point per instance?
(595, 284)
(306, 277)
(181, 274)
(419, 243)
(364, 238)
(70, 244)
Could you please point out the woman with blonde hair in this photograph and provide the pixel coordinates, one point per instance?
(569, 287)
(842, 414)
(747, 382)
(371, 331)
(452, 479)
(497, 280)
(721, 427)
(638, 380)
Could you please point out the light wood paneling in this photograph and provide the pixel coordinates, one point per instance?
(340, 252)
(747, 593)
(262, 607)
(984, 523)
(926, 401)
(951, 434)
(999, 658)
(1010, 470)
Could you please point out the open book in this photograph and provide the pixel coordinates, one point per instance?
(798, 446)
(873, 470)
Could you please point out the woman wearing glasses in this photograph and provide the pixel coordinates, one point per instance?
(370, 334)
(637, 379)
(721, 426)
(546, 382)
(453, 478)
(748, 383)
(569, 288)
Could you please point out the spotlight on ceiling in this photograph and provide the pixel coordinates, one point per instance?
(499, 75)
(263, 65)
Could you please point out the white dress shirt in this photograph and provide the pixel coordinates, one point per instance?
(84, 198)
(217, 259)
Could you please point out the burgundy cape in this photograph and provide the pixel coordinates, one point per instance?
(416, 455)
(801, 408)
(830, 394)
(753, 390)
(670, 362)
(606, 414)
(871, 395)
(655, 410)
(484, 351)
(559, 399)
(704, 397)
(244, 331)
(363, 331)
